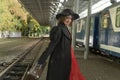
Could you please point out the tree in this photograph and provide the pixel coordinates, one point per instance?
(13, 17)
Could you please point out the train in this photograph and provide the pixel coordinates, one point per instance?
(104, 36)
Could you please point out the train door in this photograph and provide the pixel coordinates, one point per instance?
(80, 32)
(104, 28)
(96, 32)
(91, 38)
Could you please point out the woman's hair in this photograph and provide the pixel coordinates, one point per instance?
(61, 20)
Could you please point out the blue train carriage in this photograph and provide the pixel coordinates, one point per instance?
(94, 32)
(80, 34)
(110, 31)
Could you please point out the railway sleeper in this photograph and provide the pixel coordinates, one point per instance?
(8, 77)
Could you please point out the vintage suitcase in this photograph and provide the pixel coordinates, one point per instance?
(35, 72)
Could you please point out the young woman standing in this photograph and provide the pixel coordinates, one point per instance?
(62, 63)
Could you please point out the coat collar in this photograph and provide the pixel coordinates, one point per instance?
(65, 30)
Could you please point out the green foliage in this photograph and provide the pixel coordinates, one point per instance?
(10, 19)
(13, 17)
(36, 29)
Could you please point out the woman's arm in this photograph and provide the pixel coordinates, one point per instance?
(55, 35)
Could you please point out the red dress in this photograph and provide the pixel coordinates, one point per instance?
(75, 71)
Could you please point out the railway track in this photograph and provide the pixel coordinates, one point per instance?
(17, 69)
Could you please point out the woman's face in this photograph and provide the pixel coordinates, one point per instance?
(68, 20)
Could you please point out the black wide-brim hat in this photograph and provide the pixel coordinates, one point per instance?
(67, 12)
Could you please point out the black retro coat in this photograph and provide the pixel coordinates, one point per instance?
(59, 50)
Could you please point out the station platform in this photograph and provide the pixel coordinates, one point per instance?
(95, 67)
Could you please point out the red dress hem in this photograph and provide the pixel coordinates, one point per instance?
(75, 73)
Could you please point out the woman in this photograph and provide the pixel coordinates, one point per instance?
(59, 48)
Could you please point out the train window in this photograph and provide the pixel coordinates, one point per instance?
(118, 17)
(105, 20)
